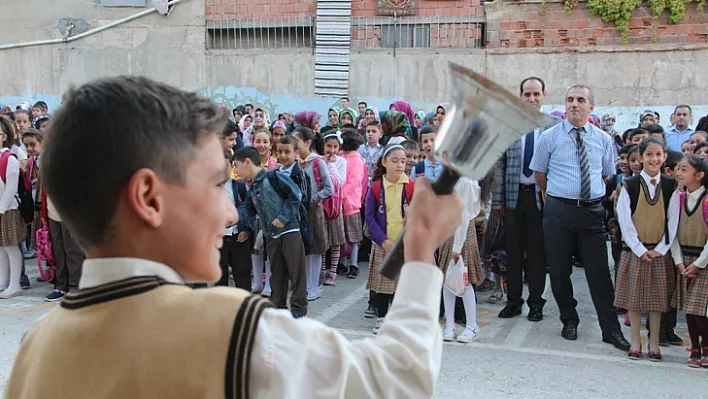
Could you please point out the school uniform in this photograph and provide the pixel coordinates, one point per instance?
(464, 241)
(13, 230)
(236, 254)
(315, 215)
(646, 286)
(335, 226)
(385, 221)
(689, 247)
(217, 342)
(353, 190)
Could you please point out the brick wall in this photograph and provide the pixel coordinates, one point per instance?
(519, 24)
(245, 9)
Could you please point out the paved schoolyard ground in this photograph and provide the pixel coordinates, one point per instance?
(511, 359)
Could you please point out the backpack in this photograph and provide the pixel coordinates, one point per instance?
(333, 204)
(633, 187)
(24, 193)
(239, 191)
(44, 241)
(305, 230)
(682, 201)
(408, 188)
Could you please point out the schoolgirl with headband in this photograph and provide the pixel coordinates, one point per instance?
(335, 225)
(386, 204)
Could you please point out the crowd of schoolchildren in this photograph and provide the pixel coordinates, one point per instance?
(315, 200)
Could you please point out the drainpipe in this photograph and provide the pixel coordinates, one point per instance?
(87, 33)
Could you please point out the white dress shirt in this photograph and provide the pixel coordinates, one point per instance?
(8, 188)
(470, 193)
(629, 232)
(522, 177)
(303, 358)
(676, 253)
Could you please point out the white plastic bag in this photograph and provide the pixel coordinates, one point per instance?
(456, 279)
(259, 241)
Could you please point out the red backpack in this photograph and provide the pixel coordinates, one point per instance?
(682, 202)
(333, 204)
(408, 188)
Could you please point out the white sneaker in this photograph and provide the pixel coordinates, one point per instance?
(468, 335)
(377, 327)
(314, 296)
(496, 297)
(448, 333)
(7, 294)
(330, 280)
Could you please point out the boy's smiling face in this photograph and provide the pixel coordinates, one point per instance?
(411, 160)
(427, 141)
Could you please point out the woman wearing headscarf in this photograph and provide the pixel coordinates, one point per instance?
(405, 107)
(347, 117)
(419, 119)
(332, 118)
(309, 119)
(394, 123)
(607, 123)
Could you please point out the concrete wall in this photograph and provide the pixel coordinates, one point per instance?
(626, 79)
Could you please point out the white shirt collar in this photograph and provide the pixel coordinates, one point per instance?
(101, 271)
(648, 178)
(696, 194)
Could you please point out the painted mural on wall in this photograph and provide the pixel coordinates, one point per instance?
(231, 96)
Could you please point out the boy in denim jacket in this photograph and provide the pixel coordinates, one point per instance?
(278, 211)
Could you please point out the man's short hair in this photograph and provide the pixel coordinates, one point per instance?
(363, 103)
(119, 125)
(539, 80)
(591, 97)
(688, 107)
(345, 98)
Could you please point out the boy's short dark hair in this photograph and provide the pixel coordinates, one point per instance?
(410, 145)
(152, 125)
(288, 139)
(672, 158)
(375, 123)
(427, 129)
(625, 149)
(635, 132)
(654, 129)
(363, 103)
(242, 154)
(230, 128)
(345, 98)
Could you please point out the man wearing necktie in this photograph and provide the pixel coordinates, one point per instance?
(518, 201)
(572, 161)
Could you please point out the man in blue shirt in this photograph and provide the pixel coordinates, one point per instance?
(680, 131)
(571, 163)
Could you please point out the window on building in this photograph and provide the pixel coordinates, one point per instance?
(122, 3)
(228, 35)
(405, 36)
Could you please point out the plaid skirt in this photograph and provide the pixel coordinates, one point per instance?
(335, 231)
(470, 256)
(691, 295)
(353, 229)
(318, 224)
(376, 282)
(643, 286)
(494, 239)
(12, 228)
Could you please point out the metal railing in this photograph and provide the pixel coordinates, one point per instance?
(375, 32)
(257, 33)
(419, 32)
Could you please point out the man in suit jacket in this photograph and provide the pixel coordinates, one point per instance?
(518, 201)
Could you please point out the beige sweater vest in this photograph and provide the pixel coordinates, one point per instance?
(649, 216)
(140, 338)
(692, 230)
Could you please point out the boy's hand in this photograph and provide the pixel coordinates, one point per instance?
(242, 236)
(277, 223)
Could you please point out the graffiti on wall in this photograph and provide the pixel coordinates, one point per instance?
(231, 96)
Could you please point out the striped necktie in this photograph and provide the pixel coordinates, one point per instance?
(584, 166)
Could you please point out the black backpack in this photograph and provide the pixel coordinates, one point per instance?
(668, 186)
(24, 193)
